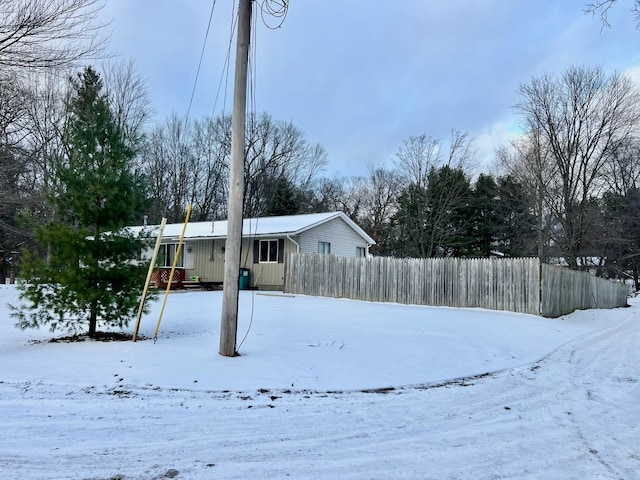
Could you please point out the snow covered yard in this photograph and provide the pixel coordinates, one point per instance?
(326, 388)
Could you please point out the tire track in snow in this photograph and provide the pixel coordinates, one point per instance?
(571, 415)
(603, 369)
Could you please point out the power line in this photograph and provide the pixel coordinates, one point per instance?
(277, 9)
(252, 72)
(224, 76)
(204, 44)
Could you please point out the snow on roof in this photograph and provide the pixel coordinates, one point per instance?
(257, 227)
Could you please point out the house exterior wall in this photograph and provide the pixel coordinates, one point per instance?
(207, 259)
(204, 258)
(342, 237)
(269, 276)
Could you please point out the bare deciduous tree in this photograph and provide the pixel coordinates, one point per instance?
(129, 99)
(622, 171)
(581, 118)
(419, 155)
(416, 157)
(380, 195)
(188, 162)
(529, 162)
(212, 148)
(171, 168)
(26, 142)
(48, 33)
(461, 152)
(13, 100)
(276, 150)
(338, 194)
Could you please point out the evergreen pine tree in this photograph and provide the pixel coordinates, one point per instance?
(284, 200)
(90, 272)
(431, 221)
(516, 234)
(483, 219)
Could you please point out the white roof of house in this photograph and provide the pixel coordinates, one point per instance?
(256, 227)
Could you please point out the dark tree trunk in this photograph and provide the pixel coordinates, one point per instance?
(93, 320)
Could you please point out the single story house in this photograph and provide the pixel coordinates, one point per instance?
(266, 241)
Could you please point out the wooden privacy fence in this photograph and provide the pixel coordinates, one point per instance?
(567, 290)
(513, 284)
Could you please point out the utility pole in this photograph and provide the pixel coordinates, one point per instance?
(229, 320)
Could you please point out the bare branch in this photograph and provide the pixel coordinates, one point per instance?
(128, 98)
(602, 8)
(49, 33)
(417, 156)
(461, 151)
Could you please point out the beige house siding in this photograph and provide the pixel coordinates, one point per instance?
(204, 258)
(208, 259)
(267, 275)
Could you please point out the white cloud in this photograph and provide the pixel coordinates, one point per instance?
(633, 73)
(493, 136)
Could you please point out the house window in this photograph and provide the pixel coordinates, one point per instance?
(324, 247)
(361, 252)
(167, 254)
(268, 251)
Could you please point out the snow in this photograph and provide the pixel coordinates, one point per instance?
(326, 388)
(278, 225)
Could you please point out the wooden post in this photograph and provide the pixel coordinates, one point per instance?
(229, 320)
(173, 269)
(147, 282)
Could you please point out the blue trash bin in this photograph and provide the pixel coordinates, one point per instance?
(243, 280)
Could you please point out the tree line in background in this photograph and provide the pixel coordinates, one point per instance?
(566, 190)
(567, 187)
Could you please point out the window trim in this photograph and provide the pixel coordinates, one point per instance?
(324, 248)
(168, 259)
(269, 251)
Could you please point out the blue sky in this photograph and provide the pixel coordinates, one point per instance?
(359, 76)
